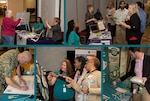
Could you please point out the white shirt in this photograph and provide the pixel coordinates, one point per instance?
(120, 15)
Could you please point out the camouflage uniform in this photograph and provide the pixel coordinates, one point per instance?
(8, 61)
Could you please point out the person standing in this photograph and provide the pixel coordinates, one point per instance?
(120, 15)
(140, 68)
(110, 18)
(8, 62)
(90, 86)
(142, 18)
(80, 72)
(89, 19)
(62, 90)
(133, 25)
(8, 28)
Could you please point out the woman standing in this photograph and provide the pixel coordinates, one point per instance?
(91, 84)
(132, 25)
(8, 28)
(79, 63)
(89, 19)
(38, 25)
(72, 36)
(62, 90)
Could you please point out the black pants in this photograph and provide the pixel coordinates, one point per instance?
(112, 29)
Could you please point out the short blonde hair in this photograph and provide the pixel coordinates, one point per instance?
(8, 13)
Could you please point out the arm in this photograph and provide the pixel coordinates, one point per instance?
(88, 19)
(18, 71)
(130, 73)
(75, 86)
(73, 83)
(12, 83)
(47, 24)
(51, 78)
(14, 23)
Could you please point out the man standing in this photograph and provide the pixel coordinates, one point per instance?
(8, 62)
(121, 15)
(142, 18)
(139, 68)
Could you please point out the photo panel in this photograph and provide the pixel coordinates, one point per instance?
(17, 72)
(63, 71)
(125, 73)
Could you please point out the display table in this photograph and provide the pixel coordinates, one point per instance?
(41, 41)
(100, 38)
(13, 94)
(111, 94)
(24, 37)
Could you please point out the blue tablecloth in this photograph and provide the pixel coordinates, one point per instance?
(14, 97)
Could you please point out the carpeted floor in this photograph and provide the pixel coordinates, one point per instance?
(145, 37)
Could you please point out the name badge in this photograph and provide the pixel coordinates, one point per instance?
(92, 81)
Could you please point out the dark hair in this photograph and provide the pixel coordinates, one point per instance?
(70, 28)
(122, 2)
(68, 68)
(140, 4)
(134, 49)
(83, 62)
(40, 19)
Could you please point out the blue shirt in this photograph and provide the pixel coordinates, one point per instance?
(73, 38)
(38, 25)
(58, 90)
(143, 20)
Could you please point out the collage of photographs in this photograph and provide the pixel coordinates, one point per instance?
(74, 50)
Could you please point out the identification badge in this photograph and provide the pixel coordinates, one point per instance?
(64, 90)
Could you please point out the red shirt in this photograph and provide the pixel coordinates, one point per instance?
(9, 26)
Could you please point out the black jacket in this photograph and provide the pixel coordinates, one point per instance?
(146, 71)
(135, 24)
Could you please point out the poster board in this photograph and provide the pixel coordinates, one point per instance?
(114, 60)
(30, 83)
(123, 61)
(86, 53)
(25, 16)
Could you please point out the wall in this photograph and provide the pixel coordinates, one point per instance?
(29, 4)
(76, 9)
(51, 57)
(50, 9)
(12, 6)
